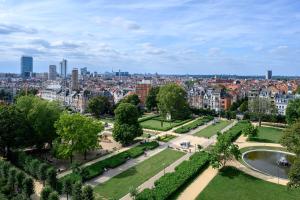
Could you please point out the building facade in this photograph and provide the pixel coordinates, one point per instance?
(52, 73)
(63, 69)
(26, 66)
(75, 81)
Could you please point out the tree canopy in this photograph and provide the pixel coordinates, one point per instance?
(99, 105)
(76, 133)
(151, 101)
(126, 126)
(293, 111)
(172, 101)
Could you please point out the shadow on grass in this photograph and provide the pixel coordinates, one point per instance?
(262, 140)
(232, 172)
(130, 172)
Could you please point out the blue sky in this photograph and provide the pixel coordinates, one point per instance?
(148, 36)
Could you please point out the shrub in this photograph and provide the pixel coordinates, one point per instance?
(168, 184)
(51, 177)
(198, 122)
(53, 196)
(87, 193)
(45, 193)
(28, 187)
(77, 191)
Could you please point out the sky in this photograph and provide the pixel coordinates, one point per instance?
(245, 37)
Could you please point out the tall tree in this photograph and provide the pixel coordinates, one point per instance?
(261, 106)
(223, 151)
(151, 102)
(99, 105)
(293, 111)
(77, 191)
(126, 126)
(132, 99)
(13, 129)
(172, 101)
(77, 133)
(87, 193)
(250, 131)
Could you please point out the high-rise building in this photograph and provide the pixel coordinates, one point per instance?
(83, 71)
(63, 68)
(75, 83)
(26, 66)
(269, 75)
(52, 73)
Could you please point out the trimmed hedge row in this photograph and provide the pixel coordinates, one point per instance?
(168, 184)
(98, 168)
(195, 124)
(178, 123)
(236, 130)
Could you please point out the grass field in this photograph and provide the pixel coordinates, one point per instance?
(119, 186)
(213, 129)
(233, 184)
(268, 134)
(155, 124)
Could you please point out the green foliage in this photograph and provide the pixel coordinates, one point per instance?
(67, 187)
(53, 196)
(294, 174)
(99, 105)
(77, 133)
(12, 181)
(195, 124)
(42, 172)
(132, 99)
(168, 184)
(97, 168)
(223, 151)
(293, 111)
(172, 100)
(77, 191)
(87, 193)
(28, 187)
(45, 193)
(151, 101)
(51, 177)
(126, 126)
(250, 131)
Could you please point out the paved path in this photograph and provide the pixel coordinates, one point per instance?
(150, 182)
(130, 163)
(198, 184)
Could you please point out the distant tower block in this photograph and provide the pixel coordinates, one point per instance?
(269, 75)
(75, 83)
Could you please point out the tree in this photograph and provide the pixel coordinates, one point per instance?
(151, 102)
(250, 131)
(77, 133)
(13, 130)
(244, 106)
(77, 191)
(53, 196)
(294, 174)
(41, 115)
(67, 187)
(20, 176)
(132, 99)
(291, 138)
(87, 193)
(261, 106)
(293, 111)
(133, 192)
(51, 177)
(298, 90)
(99, 105)
(45, 193)
(42, 172)
(126, 126)
(172, 101)
(11, 180)
(28, 187)
(223, 151)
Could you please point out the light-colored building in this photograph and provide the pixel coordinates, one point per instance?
(52, 73)
(63, 69)
(75, 81)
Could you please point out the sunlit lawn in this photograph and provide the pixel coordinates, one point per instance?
(233, 184)
(119, 186)
(213, 129)
(268, 134)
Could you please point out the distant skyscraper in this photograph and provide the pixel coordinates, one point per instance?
(83, 71)
(26, 66)
(269, 75)
(75, 83)
(52, 72)
(63, 68)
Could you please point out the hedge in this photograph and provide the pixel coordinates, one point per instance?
(97, 168)
(235, 131)
(168, 184)
(195, 124)
(147, 118)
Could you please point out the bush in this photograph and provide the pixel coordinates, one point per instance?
(234, 132)
(168, 184)
(45, 193)
(195, 124)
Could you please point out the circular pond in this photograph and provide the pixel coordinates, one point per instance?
(269, 162)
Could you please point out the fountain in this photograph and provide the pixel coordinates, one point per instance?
(283, 162)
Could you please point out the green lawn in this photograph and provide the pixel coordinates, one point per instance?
(268, 134)
(119, 186)
(233, 184)
(166, 138)
(213, 129)
(155, 124)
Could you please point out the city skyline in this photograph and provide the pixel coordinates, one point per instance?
(168, 37)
